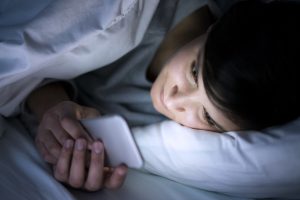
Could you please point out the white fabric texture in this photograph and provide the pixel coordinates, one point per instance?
(247, 164)
(23, 173)
(63, 39)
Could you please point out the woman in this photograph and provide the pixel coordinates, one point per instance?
(241, 74)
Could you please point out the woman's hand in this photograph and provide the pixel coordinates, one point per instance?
(59, 124)
(71, 167)
(77, 160)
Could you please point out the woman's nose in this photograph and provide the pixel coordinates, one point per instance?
(179, 100)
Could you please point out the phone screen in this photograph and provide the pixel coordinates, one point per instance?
(117, 138)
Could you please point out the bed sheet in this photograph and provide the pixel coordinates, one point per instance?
(143, 186)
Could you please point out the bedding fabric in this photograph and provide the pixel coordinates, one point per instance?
(62, 39)
(247, 164)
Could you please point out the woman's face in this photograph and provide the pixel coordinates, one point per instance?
(178, 91)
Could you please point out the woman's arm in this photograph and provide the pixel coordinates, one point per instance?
(40, 100)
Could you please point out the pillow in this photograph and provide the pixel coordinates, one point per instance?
(247, 163)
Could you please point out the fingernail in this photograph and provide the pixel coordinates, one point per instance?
(80, 144)
(122, 171)
(98, 147)
(68, 144)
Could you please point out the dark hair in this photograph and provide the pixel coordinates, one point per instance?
(252, 61)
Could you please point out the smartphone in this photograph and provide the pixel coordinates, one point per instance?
(117, 138)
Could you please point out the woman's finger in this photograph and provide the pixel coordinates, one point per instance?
(77, 171)
(95, 174)
(75, 129)
(47, 156)
(87, 112)
(46, 140)
(61, 171)
(117, 178)
(52, 123)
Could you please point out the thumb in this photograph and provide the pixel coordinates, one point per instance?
(87, 112)
(74, 128)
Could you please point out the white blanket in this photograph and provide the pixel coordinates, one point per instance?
(63, 39)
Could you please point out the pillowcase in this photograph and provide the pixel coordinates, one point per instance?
(254, 164)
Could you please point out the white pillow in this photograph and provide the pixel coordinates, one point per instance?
(248, 163)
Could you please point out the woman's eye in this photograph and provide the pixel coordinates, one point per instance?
(212, 122)
(194, 71)
(208, 118)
